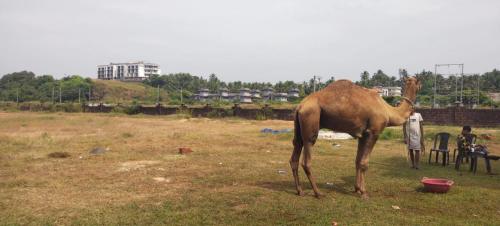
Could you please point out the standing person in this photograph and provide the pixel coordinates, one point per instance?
(413, 131)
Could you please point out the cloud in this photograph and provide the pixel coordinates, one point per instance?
(249, 40)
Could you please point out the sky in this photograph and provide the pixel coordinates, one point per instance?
(252, 41)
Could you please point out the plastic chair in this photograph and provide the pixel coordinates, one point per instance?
(481, 152)
(442, 147)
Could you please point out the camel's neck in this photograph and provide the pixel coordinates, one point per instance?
(399, 115)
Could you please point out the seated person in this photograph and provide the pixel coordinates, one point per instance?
(465, 138)
(466, 142)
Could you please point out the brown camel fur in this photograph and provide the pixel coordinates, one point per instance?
(345, 107)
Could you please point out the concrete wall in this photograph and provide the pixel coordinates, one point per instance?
(462, 116)
(445, 116)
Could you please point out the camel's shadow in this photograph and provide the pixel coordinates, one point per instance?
(288, 186)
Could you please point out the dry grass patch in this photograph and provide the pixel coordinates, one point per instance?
(235, 176)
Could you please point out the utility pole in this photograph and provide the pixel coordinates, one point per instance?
(435, 86)
(462, 88)
(17, 96)
(158, 96)
(456, 88)
(478, 79)
(60, 95)
(314, 83)
(53, 94)
(79, 92)
(90, 93)
(181, 96)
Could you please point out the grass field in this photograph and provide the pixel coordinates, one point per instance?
(235, 176)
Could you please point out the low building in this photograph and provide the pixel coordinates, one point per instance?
(203, 95)
(280, 97)
(494, 96)
(224, 94)
(255, 95)
(394, 91)
(267, 93)
(133, 71)
(293, 93)
(391, 91)
(245, 96)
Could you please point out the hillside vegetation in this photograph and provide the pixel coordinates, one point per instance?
(123, 92)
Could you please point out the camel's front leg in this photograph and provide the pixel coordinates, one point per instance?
(365, 147)
(306, 164)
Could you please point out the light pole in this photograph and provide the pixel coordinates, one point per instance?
(435, 81)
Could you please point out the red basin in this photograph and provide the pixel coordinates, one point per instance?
(436, 184)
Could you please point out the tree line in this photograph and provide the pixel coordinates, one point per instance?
(26, 86)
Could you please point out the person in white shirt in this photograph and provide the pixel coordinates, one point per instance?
(413, 131)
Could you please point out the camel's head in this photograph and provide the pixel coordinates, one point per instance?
(412, 86)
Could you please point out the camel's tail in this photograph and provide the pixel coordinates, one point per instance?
(297, 138)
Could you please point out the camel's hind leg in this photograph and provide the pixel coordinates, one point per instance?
(309, 129)
(294, 163)
(306, 164)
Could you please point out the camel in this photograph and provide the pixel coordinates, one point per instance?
(345, 107)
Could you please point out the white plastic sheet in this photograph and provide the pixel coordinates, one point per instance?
(330, 135)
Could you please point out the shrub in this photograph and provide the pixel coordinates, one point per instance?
(70, 107)
(184, 113)
(132, 109)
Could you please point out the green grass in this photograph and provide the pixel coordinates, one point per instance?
(111, 91)
(231, 178)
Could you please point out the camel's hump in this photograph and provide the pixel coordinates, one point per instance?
(344, 81)
(341, 83)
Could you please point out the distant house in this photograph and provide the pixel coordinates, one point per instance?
(203, 95)
(391, 91)
(494, 96)
(224, 94)
(267, 93)
(245, 96)
(293, 93)
(255, 95)
(280, 97)
(394, 91)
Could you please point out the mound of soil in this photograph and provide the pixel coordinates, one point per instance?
(59, 154)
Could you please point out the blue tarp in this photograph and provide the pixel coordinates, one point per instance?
(272, 131)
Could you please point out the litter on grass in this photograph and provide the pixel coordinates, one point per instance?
(330, 135)
(322, 134)
(274, 131)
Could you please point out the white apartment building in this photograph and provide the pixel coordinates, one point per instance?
(133, 71)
